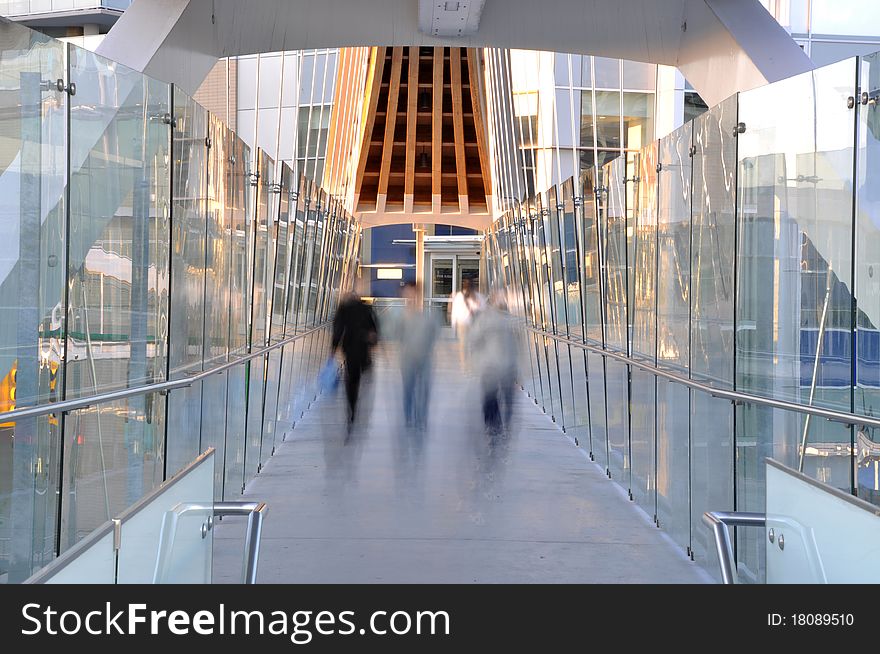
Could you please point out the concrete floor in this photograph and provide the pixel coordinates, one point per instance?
(451, 505)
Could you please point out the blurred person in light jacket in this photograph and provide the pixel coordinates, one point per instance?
(493, 344)
(417, 333)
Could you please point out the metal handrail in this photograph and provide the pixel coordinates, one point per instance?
(734, 396)
(255, 512)
(80, 403)
(720, 523)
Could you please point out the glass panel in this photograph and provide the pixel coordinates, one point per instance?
(119, 227)
(264, 266)
(218, 272)
(214, 414)
(543, 397)
(555, 405)
(613, 219)
(95, 565)
(580, 430)
(571, 262)
(469, 269)
(763, 432)
(644, 261)
(236, 412)
(673, 505)
(565, 381)
(673, 249)
(297, 266)
(639, 76)
(284, 413)
(587, 120)
(591, 277)
(280, 209)
(795, 252)
(187, 554)
(617, 396)
(711, 471)
(598, 416)
(184, 426)
(188, 239)
(608, 119)
(714, 207)
(112, 458)
(607, 72)
(642, 419)
(33, 175)
(638, 120)
(867, 274)
(557, 298)
(238, 189)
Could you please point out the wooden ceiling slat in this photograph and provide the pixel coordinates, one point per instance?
(457, 120)
(479, 125)
(372, 101)
(390, 119)
(437, 123)
(412, 93)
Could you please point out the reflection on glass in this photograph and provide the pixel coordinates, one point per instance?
(644, 239)
(598, 416)
(673, 456)
(794, 307)
(867, 273)
(112, 458)
(571, 261)
(673, 249)
(608, 119)
(711, 470)
(642, 440)
(119, 227)
(590, 269)
(188, 249)
(612, 208)
(713, 205)
(617, 410)
(33, 169)
(638, 119)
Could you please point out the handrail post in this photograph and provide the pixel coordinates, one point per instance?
(252, 544)
(720, 522)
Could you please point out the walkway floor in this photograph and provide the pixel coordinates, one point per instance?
(450, 506)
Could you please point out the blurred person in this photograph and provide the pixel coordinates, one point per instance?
(418, 331)
(465, 305)
(494, 346)
(355, 331)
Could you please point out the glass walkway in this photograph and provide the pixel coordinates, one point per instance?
(452, 504)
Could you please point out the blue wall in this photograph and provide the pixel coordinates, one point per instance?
(382, 250)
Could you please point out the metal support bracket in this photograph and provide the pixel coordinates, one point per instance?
(58, 85)
(871, 97)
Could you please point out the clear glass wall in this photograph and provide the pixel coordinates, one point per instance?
(735, 256)
(139, 259)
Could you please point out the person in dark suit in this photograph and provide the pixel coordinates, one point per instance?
(355, 331)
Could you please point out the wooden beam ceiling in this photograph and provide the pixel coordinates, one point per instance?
(424, 149)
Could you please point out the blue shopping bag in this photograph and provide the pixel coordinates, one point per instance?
(328, 377)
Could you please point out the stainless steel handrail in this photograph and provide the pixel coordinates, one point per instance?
(255, 511)
(80, 403)
(734, 396)
(720, 522)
